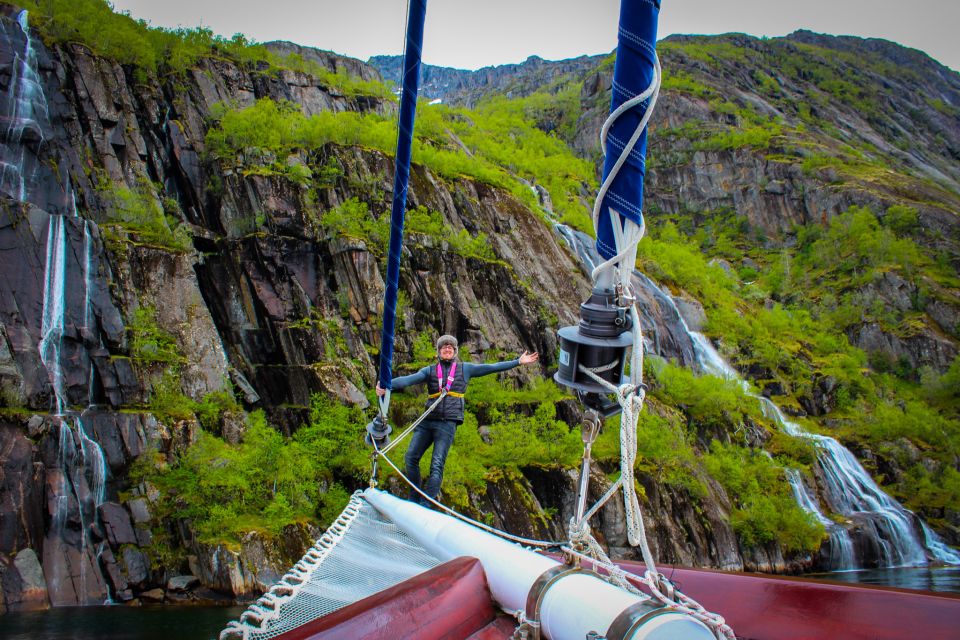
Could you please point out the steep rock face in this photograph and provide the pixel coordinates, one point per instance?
(21, 492)
(908, 111)
(91, 322)
(327, 59)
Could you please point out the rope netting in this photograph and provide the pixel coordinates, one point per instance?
(362, 553)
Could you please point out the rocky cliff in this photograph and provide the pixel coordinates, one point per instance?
(464, 88)
(146, 279)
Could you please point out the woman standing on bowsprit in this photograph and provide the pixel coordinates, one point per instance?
(448, 377)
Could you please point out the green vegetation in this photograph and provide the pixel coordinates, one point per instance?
(119, 37)
(501, 149)
(824, 285)
(268, 481)
(353, 219)
(681, 81)
(757, 137)
(149, 344)
(712, 51)
(141, 213)
(262, 484)
(765, 510)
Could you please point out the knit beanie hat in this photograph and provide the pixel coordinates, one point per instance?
(447, 339)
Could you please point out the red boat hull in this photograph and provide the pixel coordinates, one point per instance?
(452, 601)
(763, 607)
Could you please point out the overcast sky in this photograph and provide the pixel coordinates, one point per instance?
(470, 34)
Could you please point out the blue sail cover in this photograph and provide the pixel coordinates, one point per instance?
(416, 14)
(632, 74)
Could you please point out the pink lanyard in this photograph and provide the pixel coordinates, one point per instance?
(450, 376)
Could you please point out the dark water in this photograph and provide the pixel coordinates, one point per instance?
(945, 579)
(119, 623)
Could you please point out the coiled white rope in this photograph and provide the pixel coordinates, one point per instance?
(631, 395)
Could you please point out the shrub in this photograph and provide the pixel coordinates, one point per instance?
(149, 343)
(266, 482)
(141, 213)
(764, 507)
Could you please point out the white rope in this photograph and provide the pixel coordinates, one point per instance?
(652, 92)
(631, 395)
(497, 532)
(443, 392)
(673, 600)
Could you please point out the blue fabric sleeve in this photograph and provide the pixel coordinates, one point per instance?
(420, 377)
(471, 370)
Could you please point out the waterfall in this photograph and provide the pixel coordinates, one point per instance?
(849, 490)
(77, 484)
(842, 556)
(54, 307)
(25, 117)
(87, 274)
(76, 576)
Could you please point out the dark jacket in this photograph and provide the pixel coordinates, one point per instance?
(451, 407)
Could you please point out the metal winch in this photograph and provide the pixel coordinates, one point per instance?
(598, 343)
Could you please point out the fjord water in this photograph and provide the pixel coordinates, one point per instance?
(119, 623)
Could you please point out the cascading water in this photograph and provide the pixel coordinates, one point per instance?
(841, 553)
(78, 483)
(25, 118)
(54, 303)
(849, 490)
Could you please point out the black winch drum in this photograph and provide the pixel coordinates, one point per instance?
(577, 349)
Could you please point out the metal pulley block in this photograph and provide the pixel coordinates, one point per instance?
(378, 430)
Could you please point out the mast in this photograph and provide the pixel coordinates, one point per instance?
(416, 15)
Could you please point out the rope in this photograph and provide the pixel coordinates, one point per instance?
(411, 427)
(631, 395)
(530, 542)
(662, 590)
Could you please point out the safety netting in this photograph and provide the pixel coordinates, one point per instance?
(362, 553)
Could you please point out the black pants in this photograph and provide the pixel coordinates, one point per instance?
(440, 434)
